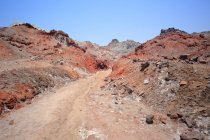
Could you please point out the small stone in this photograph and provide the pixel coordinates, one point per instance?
(183, 83)
(11, 122)
(149, 119)
(146, 81)
(61, 62)
(183, 56)
(174, 116)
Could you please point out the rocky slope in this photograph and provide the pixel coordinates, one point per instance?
(171, 74)
(33, 60)
(122, 48)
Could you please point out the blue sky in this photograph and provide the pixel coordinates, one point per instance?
(100, 21)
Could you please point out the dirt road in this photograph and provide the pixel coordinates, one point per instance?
(80, 111)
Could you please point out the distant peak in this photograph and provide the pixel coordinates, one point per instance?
(28, 25)
(171, 30)
(114, 41)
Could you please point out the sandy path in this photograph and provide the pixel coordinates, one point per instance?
(82, 111)
(54, 116)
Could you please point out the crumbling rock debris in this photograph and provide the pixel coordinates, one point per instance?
(24, 84)
(191, 135)
(162, 64)
(58, 45)
(140, 47)
(189, 122)
(8, 100)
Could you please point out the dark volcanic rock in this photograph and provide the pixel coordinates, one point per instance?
(171, 30)
(102, 66)
(144, 66)
(149, 119)
(184, 56)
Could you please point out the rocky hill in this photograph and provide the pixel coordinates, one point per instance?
(169, 74)
(122, 48)
(33, 60)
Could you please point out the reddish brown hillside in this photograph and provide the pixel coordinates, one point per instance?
(171, 74)
(33, 60)
(173, 43)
